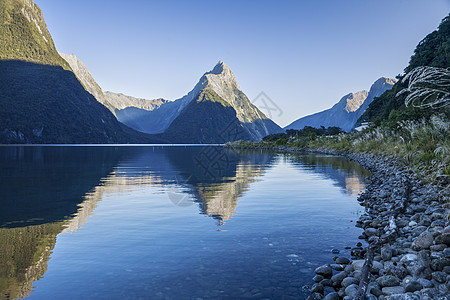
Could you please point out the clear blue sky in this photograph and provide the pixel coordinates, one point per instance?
(305, 55)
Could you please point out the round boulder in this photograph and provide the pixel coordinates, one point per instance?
(388, 281)
(423, 241)
(325, 271)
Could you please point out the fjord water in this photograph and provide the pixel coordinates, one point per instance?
(129, 222)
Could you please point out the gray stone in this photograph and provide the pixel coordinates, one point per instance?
(357, 274)
(324, 270)
(349, 281)
(375, 291)
(326, 282)
(403, 297)
(318, 278)
(446, 229)
(407, 280)
(395, 269)
(413, 286)
(392, 290)
(443, 290)
(407, 258)
(373, 284)
(351, 290)
(440, 263)
(358, 264)
(423, 257)
(447, 252)
(415, 268)
(419, 208)
(443, 239)
(386, 253)
(428, 293)
(423, 241)
(402, 223)
(413, 223)
(332, 296)
(317, 288)
(438, 247)
(370, 232)
(425, 282)
(446, 269)
(349, 268)
(438, 223)
(342, 260)
(337, 267)
(416, 231)
(314, 296)
(337, 278)
(376, 267)
(436, 255)
(387, 281)
(439, 276)
(436, 216)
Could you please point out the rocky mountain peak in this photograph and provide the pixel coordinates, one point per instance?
(353, 101)
(222, 81)
(382, 84)
(347, 111)
(219, 68)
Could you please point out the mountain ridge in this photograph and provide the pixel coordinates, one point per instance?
(113, 101)
(156, 116)
(431, 51)
(346, 112)
(25, 36)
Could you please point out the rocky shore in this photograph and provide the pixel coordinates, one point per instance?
(407, 227)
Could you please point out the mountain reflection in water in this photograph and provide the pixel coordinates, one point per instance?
(45, 191)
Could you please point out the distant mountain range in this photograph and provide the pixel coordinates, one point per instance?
(114, 102)
(347, 111)
(214, 111)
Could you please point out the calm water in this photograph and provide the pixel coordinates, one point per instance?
(170, 223)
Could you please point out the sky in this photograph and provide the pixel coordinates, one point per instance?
(304, 55)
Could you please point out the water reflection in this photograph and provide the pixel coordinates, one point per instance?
(48, 190)
(40, 192)
(345, 174)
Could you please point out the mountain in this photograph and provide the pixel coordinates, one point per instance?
(214, 108)
(347, 111)
(215, 111)
(112, 101)
(24, 35)
(432, 51)
(85, 78)
(41, 99)
(120, 101)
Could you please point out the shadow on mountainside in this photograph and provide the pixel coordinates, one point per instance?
(47, 104)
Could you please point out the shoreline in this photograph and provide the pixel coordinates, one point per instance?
(406, 223)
